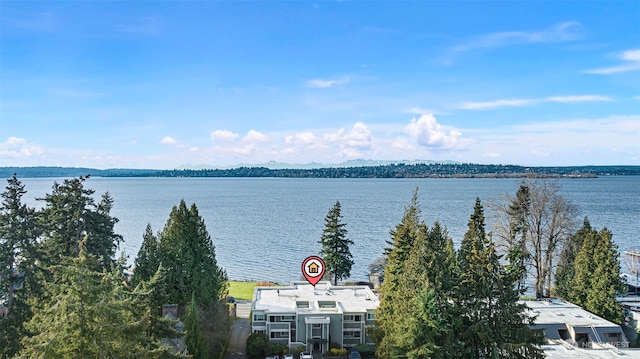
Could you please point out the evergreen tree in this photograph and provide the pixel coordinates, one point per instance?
(18, 271)
(403, 238)
(517, 213)
(148, 259)
(566, 265)
(188, 255)
(597, 279)
(147, 300)
(426, 327)
(88, 314)
(193, 334)
(70, 214)
(335, 245)
(493, 323)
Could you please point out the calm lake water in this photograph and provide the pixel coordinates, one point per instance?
(263, 228)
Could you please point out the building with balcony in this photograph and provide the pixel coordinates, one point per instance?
(314, 317)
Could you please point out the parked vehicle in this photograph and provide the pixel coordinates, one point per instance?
(354, 354)
(306, 355)
(288, 356)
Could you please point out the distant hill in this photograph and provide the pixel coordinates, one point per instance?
(391, 170)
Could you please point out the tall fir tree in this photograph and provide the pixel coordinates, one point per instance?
(71, 214)
(403, 239)
(566, 270)
(148, 259)
(193, 334)
(517, 213)
(335, 245)
(188, 255)
(597, 281)
(493, 323)
(88, 313)
(425, 329)
(18, 271)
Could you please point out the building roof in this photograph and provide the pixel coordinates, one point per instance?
(563, 352)
(302, 297)
(555, 311)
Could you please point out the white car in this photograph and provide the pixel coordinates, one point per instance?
(288, 356)
(306, 355)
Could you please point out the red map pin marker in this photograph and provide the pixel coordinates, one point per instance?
(313, 269)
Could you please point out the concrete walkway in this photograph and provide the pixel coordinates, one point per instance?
(239, 333)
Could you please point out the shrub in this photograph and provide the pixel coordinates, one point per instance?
(275, 349)
(336, 352)
(366, 349)
(256, 345)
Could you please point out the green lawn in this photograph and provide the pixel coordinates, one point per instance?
(243, 290)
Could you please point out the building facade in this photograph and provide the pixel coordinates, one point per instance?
(314, 317)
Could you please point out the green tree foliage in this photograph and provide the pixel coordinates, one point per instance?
(71, 214)
(402, 241)
(148, 259)
(335, 245)
(426, 283)
(188, 255)
(193, 335)
(257, 344)
(565, 271)
(18, 272)
(88, 313)
(494, 324)
(597, 276)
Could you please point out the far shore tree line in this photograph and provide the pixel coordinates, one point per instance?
(66, 295)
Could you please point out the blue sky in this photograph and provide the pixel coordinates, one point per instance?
(162, 84)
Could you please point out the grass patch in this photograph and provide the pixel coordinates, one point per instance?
(244, 290)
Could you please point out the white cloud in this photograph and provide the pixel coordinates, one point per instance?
(582, 98)
(563, 142)
(486, 105)
(428, 132)
(632, 63)
(255, 136)
(323, 83)
(222, 135)
(16, 147)
(302, 138)
(359, 138)
(566, 31)
(631, 55)
(167, 140)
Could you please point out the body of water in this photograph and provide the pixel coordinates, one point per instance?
(263, 228)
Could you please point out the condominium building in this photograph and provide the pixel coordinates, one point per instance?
(314, 317)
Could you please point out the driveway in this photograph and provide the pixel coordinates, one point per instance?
(239, 333)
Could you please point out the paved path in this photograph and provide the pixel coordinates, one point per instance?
(239, 333)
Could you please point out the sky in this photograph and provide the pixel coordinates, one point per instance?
(172, 84)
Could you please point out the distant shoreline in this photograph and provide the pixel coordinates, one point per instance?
(419, 170)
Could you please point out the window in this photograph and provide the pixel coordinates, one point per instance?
(287, 318)
(259, 318)
(351, 334)
(279, 335)
(302, 304)
(371, 316)
(326, 304)
(353, 318)
(259, 331)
